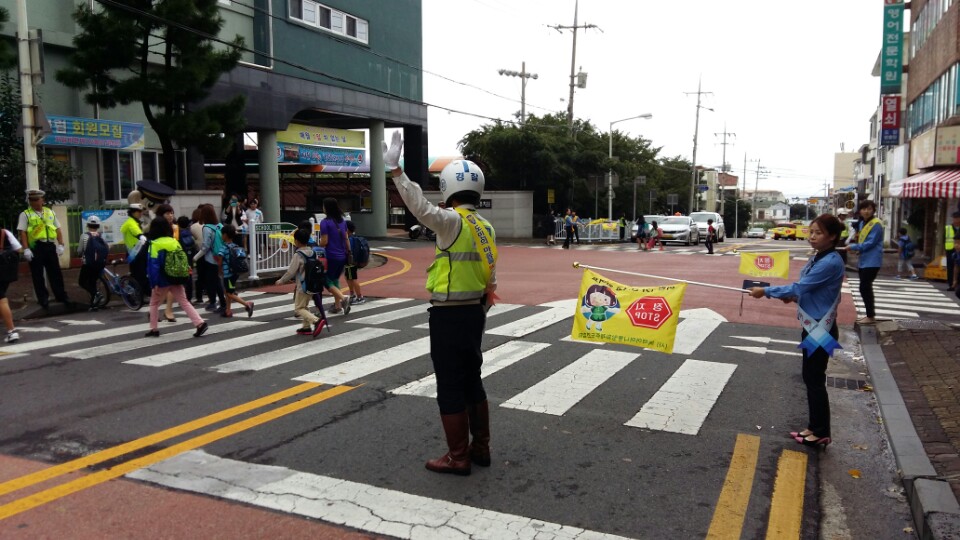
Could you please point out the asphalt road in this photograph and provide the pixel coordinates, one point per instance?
(587, 437)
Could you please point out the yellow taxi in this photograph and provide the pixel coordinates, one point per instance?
(803, 231)
(784, 231)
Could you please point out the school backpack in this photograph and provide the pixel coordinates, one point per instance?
(314, 275)
(909, 249)
(96, 252)
(176, 267)
(238, 259)
(188, 242)
(360, 249)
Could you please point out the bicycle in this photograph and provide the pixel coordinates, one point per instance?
(124, 286)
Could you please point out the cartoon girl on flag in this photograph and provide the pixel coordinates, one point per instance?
(598, 305)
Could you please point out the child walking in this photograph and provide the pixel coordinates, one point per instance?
(230, 277)
(905, 252)
(92, 266)
(162, 246)
(301, 298)
(656, 236)
(710, 234)
(350, 270)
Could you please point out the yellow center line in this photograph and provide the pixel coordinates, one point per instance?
(731, 507)
(57, 492)
(143, 442)
(786, 506)
(406, 268)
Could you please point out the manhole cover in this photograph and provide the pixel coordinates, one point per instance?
(846, 384)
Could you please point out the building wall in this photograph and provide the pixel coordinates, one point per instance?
(844, 164)
(940, 50)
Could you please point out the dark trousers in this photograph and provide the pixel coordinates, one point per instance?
(568, 236)
(576, 233)
(867, 275)
(45, 258)
(201, 271)
(88, 279)
(138, 269)
(709, 243)
(212, 282)
(815, 377)
(950, 267)
(456, 333)
(623, 231)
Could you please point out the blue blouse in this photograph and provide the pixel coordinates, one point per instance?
(871, 250)
(818, 287)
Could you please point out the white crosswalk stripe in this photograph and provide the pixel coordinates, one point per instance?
(904, 299)
(388, 338)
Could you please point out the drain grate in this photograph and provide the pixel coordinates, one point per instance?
(846, 384)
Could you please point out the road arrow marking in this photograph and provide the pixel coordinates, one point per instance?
(36, 329)
(82, 323)
(763, 339)
(761, 350)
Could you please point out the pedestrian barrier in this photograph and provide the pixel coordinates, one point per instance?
(271, 247)
(593, 231)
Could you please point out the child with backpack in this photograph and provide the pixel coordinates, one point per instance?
(167, 269)
(234, 263)
(359, 256)
(303, 269)
(905, 252)
(93, 258)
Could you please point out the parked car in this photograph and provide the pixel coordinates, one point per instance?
(756, 232)
(701, 219)
(648, 219)
(679, 229)
(784, 231)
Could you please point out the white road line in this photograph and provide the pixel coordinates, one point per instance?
(559, 392)
(765, 340)
(919, 306)
(137, 341)
(307, 347)
(762, 350)
(359, 506)
(371, 363)
(925, 296)
(498, 309)
(695, 327)
(31, 345)
(683, 402)
(380, 318)
(538, 321)
(493, 361)
(905, 283)
(211, 348)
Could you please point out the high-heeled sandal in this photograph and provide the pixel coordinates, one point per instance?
(819, 443)
(804, 433)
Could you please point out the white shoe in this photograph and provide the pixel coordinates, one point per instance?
(12, 337)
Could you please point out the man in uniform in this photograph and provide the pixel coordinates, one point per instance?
(42, 240)
(951, 232)
(461, 281)
(134, 240)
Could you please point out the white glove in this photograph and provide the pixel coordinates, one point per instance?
(391, 156)
(143, 239)
(60, 249)
(28, 255)
(197, 257)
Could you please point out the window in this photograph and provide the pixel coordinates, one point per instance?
(148, 165)
(332, 20)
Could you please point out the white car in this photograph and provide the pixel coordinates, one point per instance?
(757, 232)
(701, 219)
(649, 219)
(679, 229)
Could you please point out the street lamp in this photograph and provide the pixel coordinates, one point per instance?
(610, 171)
(523, 87)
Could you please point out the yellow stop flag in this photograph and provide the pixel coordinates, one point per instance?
(611, 312)
(772, 264)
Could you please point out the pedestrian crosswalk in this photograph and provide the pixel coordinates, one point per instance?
(385, 344)
(904, 299)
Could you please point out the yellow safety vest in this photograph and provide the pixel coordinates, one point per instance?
(41, 227)
(948, 239)
(131, 232)
(458, 273)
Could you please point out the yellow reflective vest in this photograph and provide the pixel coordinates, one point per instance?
(458, 272)
(41, 227)
(948, 239)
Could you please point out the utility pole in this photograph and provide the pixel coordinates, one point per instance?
(696, 133)
(723, 165)
(26, 97)
(736, 199)
(523, 87)
(756, 187)
(573, 59)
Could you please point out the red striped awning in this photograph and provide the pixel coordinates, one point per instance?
(939, 184)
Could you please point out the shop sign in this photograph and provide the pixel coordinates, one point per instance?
(891, 53)
(922, 151)
(948, 146)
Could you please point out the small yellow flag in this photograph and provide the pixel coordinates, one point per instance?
(610, 312)
(772, 264)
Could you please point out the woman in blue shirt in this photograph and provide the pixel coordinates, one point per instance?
(817, 294)
(869, 242)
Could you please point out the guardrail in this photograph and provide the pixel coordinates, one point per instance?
(606, 231)
(270, 247)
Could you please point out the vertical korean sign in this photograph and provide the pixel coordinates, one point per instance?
(891, 68)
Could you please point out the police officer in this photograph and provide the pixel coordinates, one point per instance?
(42, 239)
(951, 232)
(134, 240)
(461, 282)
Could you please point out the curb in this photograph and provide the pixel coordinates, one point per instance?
(936, 512)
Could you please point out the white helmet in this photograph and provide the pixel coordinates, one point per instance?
(93, 221)
(460, 175)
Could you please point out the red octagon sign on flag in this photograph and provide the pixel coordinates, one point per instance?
(649, 312)
(763, 262)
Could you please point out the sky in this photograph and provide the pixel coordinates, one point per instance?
(791, 80)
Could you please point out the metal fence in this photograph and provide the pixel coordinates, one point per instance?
(598, 231)
(270, 247)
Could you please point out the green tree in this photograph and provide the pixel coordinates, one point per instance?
(161, 54)
(736, 216)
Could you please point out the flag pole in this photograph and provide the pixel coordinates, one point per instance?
(578, 265)
(769, 250)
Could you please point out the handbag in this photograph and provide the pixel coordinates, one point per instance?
(9, 260)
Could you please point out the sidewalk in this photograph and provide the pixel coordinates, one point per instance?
(915, 369)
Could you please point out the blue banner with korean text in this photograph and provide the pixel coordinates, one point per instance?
(92, 133)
